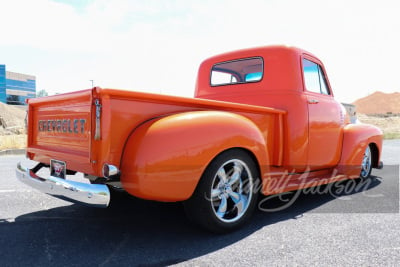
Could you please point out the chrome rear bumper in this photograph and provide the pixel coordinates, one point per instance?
(96, 195)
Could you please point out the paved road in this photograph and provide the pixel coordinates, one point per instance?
(360, 227)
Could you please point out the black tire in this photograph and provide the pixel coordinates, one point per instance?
(227, 193)
(366, 164)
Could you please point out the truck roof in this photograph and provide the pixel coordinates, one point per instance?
(261, 50)
(281, 67)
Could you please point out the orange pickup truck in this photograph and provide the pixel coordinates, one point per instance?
(263, 121)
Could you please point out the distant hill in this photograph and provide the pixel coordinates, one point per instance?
(379, 103)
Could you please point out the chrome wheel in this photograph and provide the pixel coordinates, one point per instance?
(226, 195)
(366, 165)
(232, 190)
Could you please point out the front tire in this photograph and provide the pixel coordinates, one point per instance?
(226, 195)
(366, 165)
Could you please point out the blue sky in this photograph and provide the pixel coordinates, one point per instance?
(156, 46)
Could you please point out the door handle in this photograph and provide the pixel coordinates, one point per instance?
(313, 101)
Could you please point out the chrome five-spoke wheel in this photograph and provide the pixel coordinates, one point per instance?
(226, 194)
(232, 190)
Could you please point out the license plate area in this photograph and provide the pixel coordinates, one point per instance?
(58, 169)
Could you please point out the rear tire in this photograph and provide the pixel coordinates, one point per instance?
(226, 194)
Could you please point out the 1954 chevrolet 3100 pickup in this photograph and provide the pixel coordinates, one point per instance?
(263, 120)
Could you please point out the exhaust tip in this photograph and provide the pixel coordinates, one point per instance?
(110, 171)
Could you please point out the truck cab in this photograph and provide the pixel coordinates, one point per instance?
(285, 78)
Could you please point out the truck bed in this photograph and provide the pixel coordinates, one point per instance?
(63, 127)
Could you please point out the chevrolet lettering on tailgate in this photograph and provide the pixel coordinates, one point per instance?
(63, 126)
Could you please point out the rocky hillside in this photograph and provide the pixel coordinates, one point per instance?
(379, 103)
(12, 119)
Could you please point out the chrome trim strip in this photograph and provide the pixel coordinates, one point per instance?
(95, 195)
(97, 135)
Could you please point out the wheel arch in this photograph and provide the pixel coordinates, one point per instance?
(249, 153)
(356, 137)
(165, 158)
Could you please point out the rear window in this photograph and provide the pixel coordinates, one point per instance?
(237, 71)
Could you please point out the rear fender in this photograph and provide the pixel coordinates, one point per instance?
(164, 158)
(355, 140)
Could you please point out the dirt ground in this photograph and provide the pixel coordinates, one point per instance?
(12, 141)
(390, 125)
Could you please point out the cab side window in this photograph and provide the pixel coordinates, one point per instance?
(314, 78)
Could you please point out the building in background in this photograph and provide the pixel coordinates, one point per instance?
(15, 88)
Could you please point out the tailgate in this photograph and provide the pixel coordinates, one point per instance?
(60, 127)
